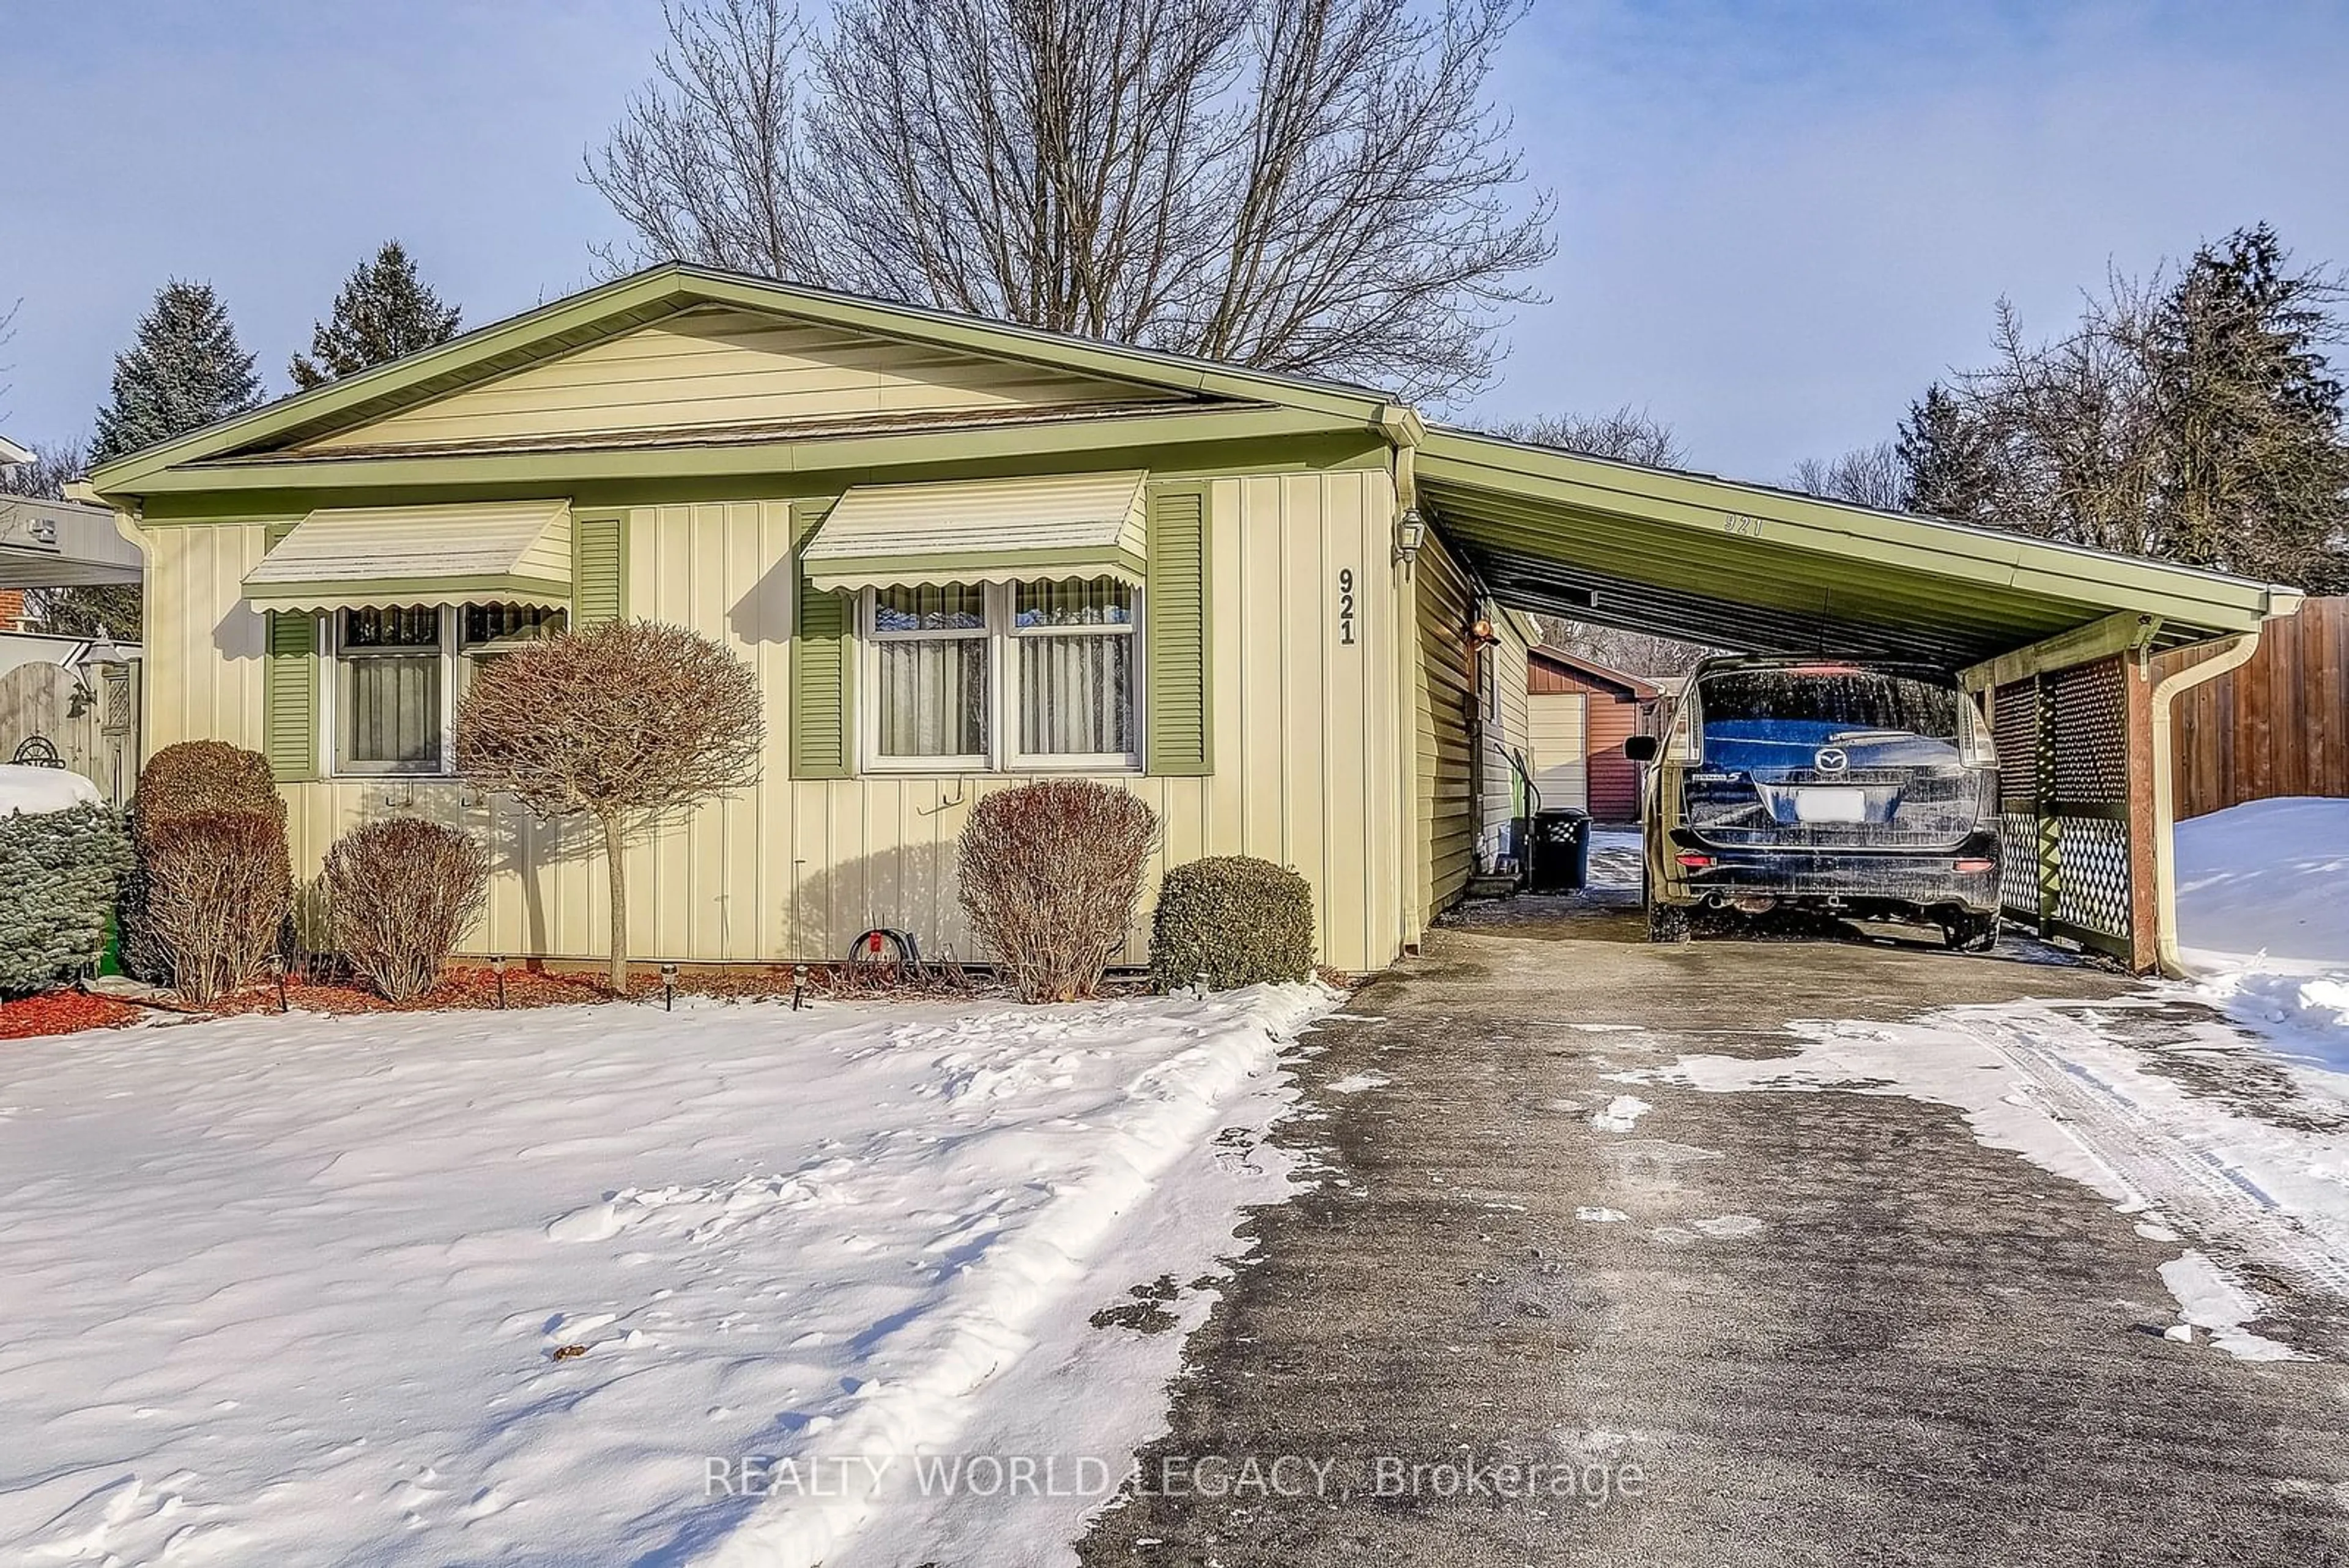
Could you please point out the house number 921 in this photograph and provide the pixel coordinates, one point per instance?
(1345, 606)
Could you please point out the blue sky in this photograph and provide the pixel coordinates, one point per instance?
(1776, 221)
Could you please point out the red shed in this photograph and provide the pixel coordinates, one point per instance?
(1578, 715)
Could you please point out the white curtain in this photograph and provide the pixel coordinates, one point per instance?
(934, 698)
(391, 710)
(1075, 695)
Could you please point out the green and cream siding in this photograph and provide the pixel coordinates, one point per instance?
(750, 459)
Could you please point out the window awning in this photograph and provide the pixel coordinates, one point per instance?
(986, 530)
(513, 552)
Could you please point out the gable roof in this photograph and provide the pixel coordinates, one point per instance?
(1590, 669)
(626, 304)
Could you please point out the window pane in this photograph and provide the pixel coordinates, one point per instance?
(934, 698)
(1076, 696)
(956, 607)
(507, 623)
(1100, 601)
(391, 712)
(370, 628)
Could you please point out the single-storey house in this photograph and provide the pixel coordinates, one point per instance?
(959, 554)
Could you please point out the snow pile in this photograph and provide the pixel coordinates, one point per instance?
(527, 1287)
(2264, 919)
(37, 790)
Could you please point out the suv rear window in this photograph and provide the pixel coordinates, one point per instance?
(1827, 700)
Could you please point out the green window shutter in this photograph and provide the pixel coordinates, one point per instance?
(289, 696)
(1181, 685)
(599, 578)
(822, 664)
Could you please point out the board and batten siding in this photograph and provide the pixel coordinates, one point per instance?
(1308, 734)
(1507, 735)
(716, 366)
(1442, 708)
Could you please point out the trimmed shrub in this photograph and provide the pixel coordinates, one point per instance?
(217, 891)
(59, 872)
(188, 853)
(1050, 873)
(1233, 919)
(203, 778)
(399, 895)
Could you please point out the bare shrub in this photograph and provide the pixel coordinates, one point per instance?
(173, 932)
(629, 722)
(399, 895)
(218, 890)
(1050, 873)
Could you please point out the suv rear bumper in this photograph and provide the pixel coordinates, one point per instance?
(1857, 877)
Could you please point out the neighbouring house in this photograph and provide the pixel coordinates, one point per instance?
(1580, 714)
(76, 696)
(1286, 613)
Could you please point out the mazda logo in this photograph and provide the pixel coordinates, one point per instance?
(1832, 759)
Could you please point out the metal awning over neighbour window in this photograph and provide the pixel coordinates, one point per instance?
(513, 552)
(986, 530)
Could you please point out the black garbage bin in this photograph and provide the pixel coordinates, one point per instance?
(1561, 850)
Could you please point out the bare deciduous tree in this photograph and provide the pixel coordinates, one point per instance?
(627, 722)
(1865, 476)
(1301, 185)
(1629, 434)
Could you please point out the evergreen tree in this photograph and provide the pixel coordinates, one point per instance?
(383, 312)
(184, 369)
(1947, 458)
(2255, 477)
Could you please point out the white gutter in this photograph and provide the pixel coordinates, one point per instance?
(2232, 654)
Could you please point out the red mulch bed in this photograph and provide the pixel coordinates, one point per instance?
(63, 1012)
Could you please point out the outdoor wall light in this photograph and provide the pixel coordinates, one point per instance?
(1410, 534)
(1481, 633)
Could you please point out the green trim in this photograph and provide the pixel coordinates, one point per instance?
(599, 569)
(823, 712)
(835, 573)
(2123, 632)
(289, 697)
(1326, 452)
(1741, 535)
(600, 313)
(566, 470)
(415, 590)
(1181, 638)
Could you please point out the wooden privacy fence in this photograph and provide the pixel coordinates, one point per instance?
(95, 731)
(2278, 726)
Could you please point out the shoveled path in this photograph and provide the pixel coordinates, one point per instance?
(1925, 1351)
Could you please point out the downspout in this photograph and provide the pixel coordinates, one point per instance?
(2232, 654)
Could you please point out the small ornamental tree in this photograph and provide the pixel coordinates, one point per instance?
(627, 723)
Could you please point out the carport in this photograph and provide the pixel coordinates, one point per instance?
(2058, 639)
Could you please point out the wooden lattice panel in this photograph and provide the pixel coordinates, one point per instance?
(2018, 864)
(2090, 712)
(2014, 729)
(2092, 874)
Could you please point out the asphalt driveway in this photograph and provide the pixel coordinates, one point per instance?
(1797, 1328)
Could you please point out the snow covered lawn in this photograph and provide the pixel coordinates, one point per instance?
(290, 1289)
(2264, 919)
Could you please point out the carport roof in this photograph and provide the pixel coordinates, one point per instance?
(1770, 571)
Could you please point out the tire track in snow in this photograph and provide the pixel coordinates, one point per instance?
(2196, 1186)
